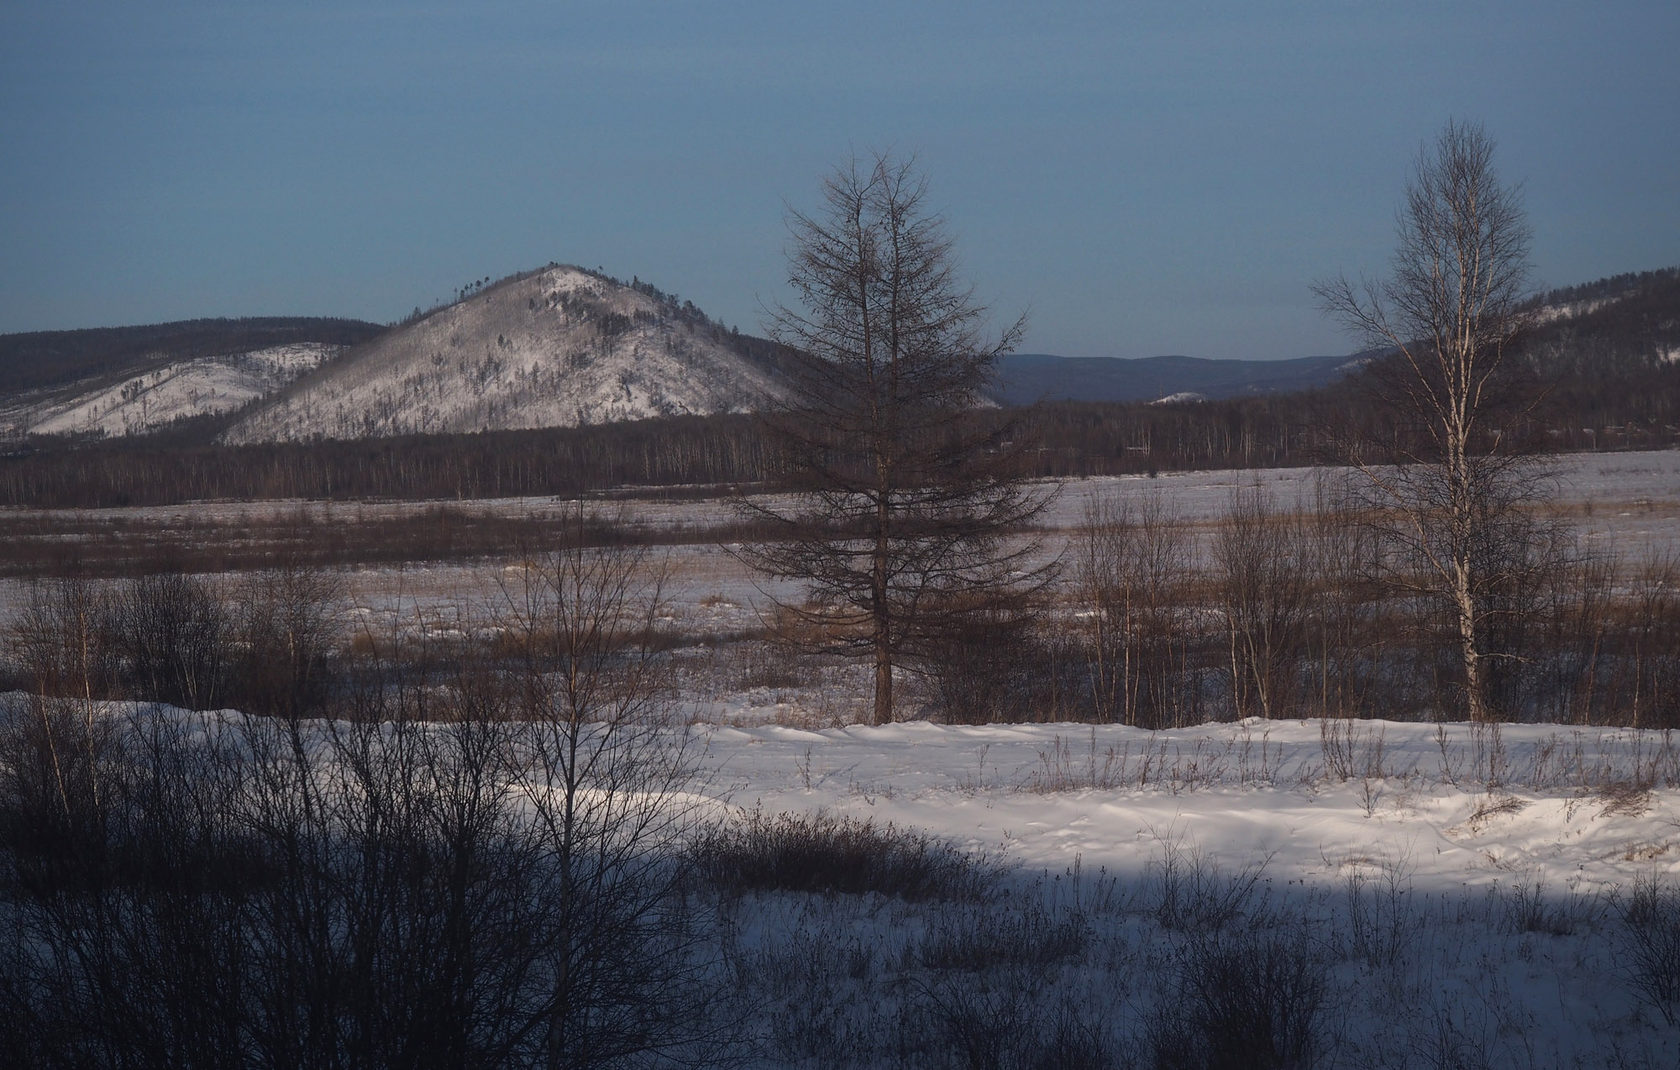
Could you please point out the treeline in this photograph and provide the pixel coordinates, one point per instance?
(1612, 287)
(563, 461)
(46, 358)
(1637, 410)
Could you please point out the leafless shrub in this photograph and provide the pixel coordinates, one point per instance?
(1155, 762)
(58, 746)
(1132, 571)
(1454, 1042)
(1241, 1002)
(1007, 1024)
(129, 927)
(173, 637)
(1381, 923)
(1344, 616)
(1651, 926)
(1059, 769)
(61, 640)
(287, 644)
(985, 663)
(59, 759)
(1193, 893)
(1629, 797)
(1495, 805)
(1650, 683)
(823, 853)
(1480, 759)
(1351, 750)
(755, 664)
(1529, 908)
(482, 868)
(1262, 562)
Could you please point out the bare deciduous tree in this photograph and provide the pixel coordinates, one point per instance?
(284, 659)
(1450, 313)
(604, 771)
(1133, 568)
(1263, 561)
(907, 489)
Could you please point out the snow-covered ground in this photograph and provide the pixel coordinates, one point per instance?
(1457, 920)
(1631, 496)
(1580, 809)
(1626, 503)
(1388, 895)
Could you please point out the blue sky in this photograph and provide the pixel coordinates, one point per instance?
(1142, 178)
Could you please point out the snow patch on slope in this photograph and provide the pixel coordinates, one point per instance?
(148, 401)
(1182, 397)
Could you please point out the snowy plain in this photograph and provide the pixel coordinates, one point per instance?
(1466, 895)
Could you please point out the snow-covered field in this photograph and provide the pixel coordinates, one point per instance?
(1292, 893)
(1579, 809)
(1618, 492)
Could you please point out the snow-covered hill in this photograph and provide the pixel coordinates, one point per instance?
(158, 396)
(558, 348)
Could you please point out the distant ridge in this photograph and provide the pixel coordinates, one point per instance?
(41, 359)
(1029, 377)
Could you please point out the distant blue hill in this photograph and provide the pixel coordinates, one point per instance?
(1028, 377)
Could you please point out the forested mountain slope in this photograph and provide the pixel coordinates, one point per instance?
(560, 347)
(137, 380)
(48, 359)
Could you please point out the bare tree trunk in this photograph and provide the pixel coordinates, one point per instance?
(883, 682)
(1464, 603)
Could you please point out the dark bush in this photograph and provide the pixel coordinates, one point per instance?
(823, 853)
(1651, 922)
(1241, 1003)
(173, 637)
(1031, 936)
(1008, 1025)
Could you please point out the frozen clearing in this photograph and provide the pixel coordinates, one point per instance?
(1636, 493)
